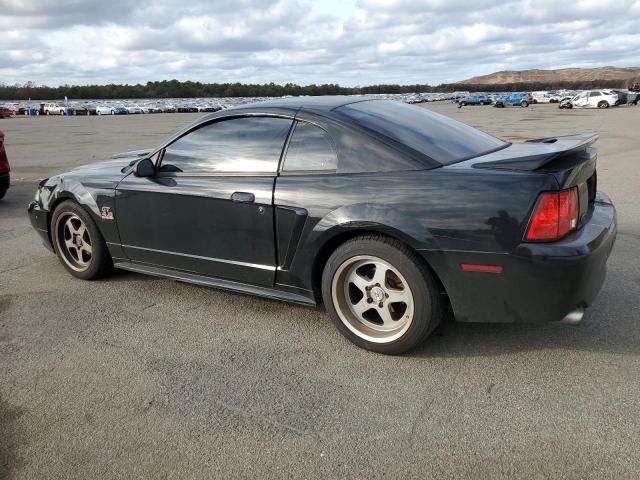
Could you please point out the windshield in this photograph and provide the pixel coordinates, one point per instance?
(438, 137)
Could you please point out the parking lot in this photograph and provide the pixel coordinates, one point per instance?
(139, 377)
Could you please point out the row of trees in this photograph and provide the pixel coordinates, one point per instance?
(177, 89)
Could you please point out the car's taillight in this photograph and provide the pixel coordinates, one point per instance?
(554, 216)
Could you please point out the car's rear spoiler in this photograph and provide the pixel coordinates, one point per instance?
(536, 153)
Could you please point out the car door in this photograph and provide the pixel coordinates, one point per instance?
(209, 207)
(594, 97)
(581, 100)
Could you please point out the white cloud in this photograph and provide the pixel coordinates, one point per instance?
(351, 42)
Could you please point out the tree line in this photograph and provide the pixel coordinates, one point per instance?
(188, 89)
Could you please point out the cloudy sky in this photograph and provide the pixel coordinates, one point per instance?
(351, 42)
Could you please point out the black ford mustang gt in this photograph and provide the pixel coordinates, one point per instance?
(387, 213)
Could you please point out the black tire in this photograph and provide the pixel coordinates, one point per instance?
(100, 263)
(464, 104)
(426, 294)
(524, 104)
(603, 104)
(3, 193)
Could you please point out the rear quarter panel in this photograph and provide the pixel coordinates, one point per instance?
(441, 210)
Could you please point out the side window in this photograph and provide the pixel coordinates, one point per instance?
(310, 150)
(595, 94)
(243, 145)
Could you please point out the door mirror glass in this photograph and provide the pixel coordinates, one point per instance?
(144, 168)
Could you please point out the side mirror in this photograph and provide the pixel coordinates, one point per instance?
(144, 168)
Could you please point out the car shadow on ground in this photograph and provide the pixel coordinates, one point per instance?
(10, 439)
(457, 339)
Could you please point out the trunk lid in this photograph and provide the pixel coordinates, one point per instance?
(571, 159)
(540, 154)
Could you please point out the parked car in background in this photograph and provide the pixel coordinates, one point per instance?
(388, 214)
(5, 112)
(623, 96)
(105, 110)
(53, 109)
(475, 100)
(14, 109)
(134, 109)
(544, 97)
(566, 103)
(120, 110)
(595, 99)
(4, 168)
(514, 99)
(86, 109)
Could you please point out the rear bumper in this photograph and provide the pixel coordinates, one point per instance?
(5, 181)
(539, 282)
(39, 221)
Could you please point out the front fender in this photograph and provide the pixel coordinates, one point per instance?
(95, 196)
(56, 189)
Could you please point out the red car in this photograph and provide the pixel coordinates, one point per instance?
(5, 112)
(4, 168)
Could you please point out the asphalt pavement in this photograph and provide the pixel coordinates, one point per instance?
(139, 377)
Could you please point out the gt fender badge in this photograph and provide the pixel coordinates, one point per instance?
(106, 213)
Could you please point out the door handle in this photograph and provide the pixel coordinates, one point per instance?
(243, 197)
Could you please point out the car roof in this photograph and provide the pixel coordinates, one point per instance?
(325, 103)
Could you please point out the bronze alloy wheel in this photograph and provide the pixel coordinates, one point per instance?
(73, 241)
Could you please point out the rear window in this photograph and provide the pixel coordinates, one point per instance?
(438, 137)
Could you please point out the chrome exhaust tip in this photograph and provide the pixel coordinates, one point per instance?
(574, 317)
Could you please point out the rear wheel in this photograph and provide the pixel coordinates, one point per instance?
(381, 295)
(78, 242)
(603, 104)
(524, 104)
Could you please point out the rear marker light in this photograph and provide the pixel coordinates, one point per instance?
(554, 216)
(474, 267)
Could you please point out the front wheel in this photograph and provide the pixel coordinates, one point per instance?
(524, 104)
(78, 242)
(381, 295)
(603, 104)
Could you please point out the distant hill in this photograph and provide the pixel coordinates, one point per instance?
(555, 76)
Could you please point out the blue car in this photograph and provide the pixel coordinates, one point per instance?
(120, 110)
(475, 100)
(514, 99)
